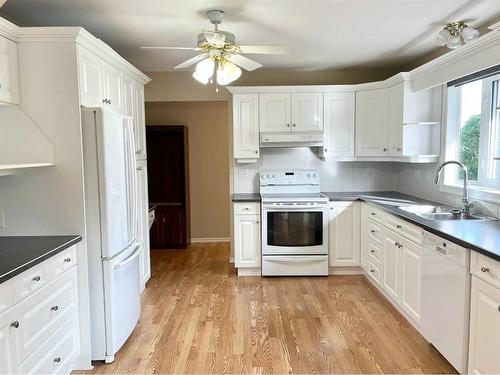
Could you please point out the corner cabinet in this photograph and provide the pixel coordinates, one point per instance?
(9, 75)
(246, 127)
(343, 234)
(247, 246)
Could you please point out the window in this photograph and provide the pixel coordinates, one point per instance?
(473, 133)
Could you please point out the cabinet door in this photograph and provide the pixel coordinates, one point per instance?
(274, 113)
(128, 96)
(143, 205)
(411, 279)
(139, 121)
(484, 343)
(9, 76)
(247, 241)
(91, 79)
(246, 126)
(7, 344)
(113, 88)
(343, 236)
(338, 124)
(395, 123)
(390, 278)
(371, 122)
(307, 112)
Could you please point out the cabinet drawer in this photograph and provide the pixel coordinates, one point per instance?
(375, 232)
(405, 229)
(62, 262)
(30, 281)
(247, 209)
(485, 268)
(58, 353)
(374, 252)
(41, 314)
(375, 214)
(374, 272)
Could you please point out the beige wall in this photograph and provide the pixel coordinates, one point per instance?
(181, 86)
(208, 131)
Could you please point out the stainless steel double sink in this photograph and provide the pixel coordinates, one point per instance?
(441, 213)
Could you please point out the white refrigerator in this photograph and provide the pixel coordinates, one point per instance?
(112, 221)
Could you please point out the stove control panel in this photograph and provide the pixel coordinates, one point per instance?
(289, 177)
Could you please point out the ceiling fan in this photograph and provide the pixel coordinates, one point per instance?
(219, 52)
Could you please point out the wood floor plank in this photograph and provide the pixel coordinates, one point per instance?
(199, 317)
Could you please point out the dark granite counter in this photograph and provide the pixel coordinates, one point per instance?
(480, 236)
(19, 253)
(245, 197)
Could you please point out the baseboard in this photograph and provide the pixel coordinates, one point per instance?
(345, 270)
(249, 271)
(207, 240)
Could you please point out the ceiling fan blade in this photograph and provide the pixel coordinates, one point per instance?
(215, 38)
(164, 47)
(191, 61)
(265, 50)
(244, 62)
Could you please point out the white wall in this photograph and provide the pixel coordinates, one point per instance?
(335, 176)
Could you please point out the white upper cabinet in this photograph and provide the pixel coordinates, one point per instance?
(395, 125)
(9, 76)
(275, 116)
(371, 122)
(91, 78)
(139, 121)
(343, 234)
(113, 88)
(128, 96)
(338, 124)
(307, 112)
(246, 126)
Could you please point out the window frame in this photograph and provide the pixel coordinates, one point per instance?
(484, 188)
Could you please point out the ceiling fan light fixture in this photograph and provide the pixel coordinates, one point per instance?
(442, 37)
(455, 34)
(204, 70)
(469, 33)
(227, 73)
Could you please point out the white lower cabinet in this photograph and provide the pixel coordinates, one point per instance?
(484, 342)
(343, 236)
(390, 279)
(39, 333)
(411, 279)
(247, 244)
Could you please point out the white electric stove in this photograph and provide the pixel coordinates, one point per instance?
(294, 224)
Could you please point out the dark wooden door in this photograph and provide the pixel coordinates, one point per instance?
(168, 181)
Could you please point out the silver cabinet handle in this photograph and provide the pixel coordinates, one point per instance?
(54, 308)
(373, 231)
(37, 278)
(294, 125)
(15, 324)
(372, 271)
(256, 151)
(57, 360)
(372, 213)
(257, 221)
(288, 125)
(67, 260)
(398, 148)
(396, 243)
(398, 226)
(385, 150)
(372, 251)
(105, 101)
(485, 269)
(139, 168)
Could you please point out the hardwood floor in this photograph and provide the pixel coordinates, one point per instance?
(199, 317)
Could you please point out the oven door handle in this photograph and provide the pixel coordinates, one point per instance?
(290, 207)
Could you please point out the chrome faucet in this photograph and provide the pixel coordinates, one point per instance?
(465, 198)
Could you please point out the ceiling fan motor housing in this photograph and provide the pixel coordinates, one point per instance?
(230, 38)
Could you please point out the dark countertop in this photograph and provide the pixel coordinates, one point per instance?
(480, 236)
(19, 253)
(245, 197)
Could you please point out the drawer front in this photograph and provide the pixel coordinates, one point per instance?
(485, 268)
(375, 232)
(62, 262)
(58, 353)
(375, 252)
(43, 313)
(374, 272)
(247, 208)
(30, 281)
(405, 229)
(375, 214)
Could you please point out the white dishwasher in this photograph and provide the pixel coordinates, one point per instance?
(446, 299)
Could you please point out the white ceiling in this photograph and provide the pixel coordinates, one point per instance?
(321, 34)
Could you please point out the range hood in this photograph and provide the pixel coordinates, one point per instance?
(291, 139)
(22, 144)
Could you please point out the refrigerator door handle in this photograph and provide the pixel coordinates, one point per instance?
(129, 259)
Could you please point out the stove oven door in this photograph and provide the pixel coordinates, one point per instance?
(289, 229)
